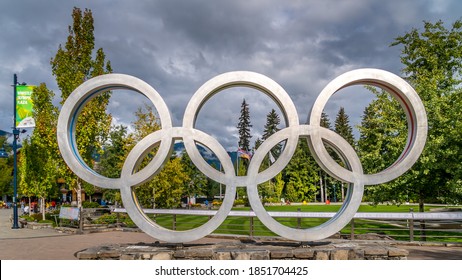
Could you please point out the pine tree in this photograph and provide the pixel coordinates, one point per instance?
(271, 127)
(269, 189)
(325, 122)
(343, 127)
(324, 178)
(301, 175)
(244, 127)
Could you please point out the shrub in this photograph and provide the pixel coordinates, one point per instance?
(239, 202)
(271, 200)
(216, 203)
(90, 204)
(106, 219)
(28, 218)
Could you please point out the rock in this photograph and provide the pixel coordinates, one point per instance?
(396, 252)
(321, 255)
(339, 254)
(282, 254)
(161, 256)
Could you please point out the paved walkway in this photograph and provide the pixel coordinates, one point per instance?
(48, 244)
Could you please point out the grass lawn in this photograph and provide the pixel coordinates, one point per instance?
(241, 225)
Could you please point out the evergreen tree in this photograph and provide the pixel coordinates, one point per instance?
(324, 178)
(271, 127)
(244, 127)
(301, 175)
(270, 189)
(343, 127)
(325, 122)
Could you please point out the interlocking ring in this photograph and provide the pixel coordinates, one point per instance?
(316, 135)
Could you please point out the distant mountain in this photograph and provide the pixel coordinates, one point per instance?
(208, 155)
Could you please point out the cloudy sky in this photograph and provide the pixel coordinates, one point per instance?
(176, 46)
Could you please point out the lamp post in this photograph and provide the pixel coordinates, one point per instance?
(15, 156)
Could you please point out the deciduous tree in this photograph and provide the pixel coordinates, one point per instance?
(72, 65)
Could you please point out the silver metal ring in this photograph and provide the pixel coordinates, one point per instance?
(316, 135)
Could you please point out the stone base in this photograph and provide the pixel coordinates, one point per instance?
(248, 250)
(34, 225)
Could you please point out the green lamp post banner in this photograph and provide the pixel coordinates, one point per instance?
(24, 106)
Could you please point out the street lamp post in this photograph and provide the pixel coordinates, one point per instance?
(15, 156)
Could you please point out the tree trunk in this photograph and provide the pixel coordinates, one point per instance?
(423, 234)
(30, 207)
(321, 186)
(79, 205)
(343, 191)
(42, 207)
(79, 194)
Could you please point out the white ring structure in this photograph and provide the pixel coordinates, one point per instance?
(316, 135)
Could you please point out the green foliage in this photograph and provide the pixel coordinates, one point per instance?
(115, 152)
(113, 218)
(274, 186)
(113, 158)
(165, 189)
(90, 204)
(343, 127)
(6, 171)
(197, 181)
(271, 200)
(271, 127)
(72, 65)
(325, 122)
(432, 60)
(383, 133)
(239, 202)
(39, 160)
(301, 175)
(244, 127)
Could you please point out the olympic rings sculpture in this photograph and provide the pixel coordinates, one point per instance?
(317, 137)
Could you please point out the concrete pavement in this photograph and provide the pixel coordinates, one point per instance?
(48, 244)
